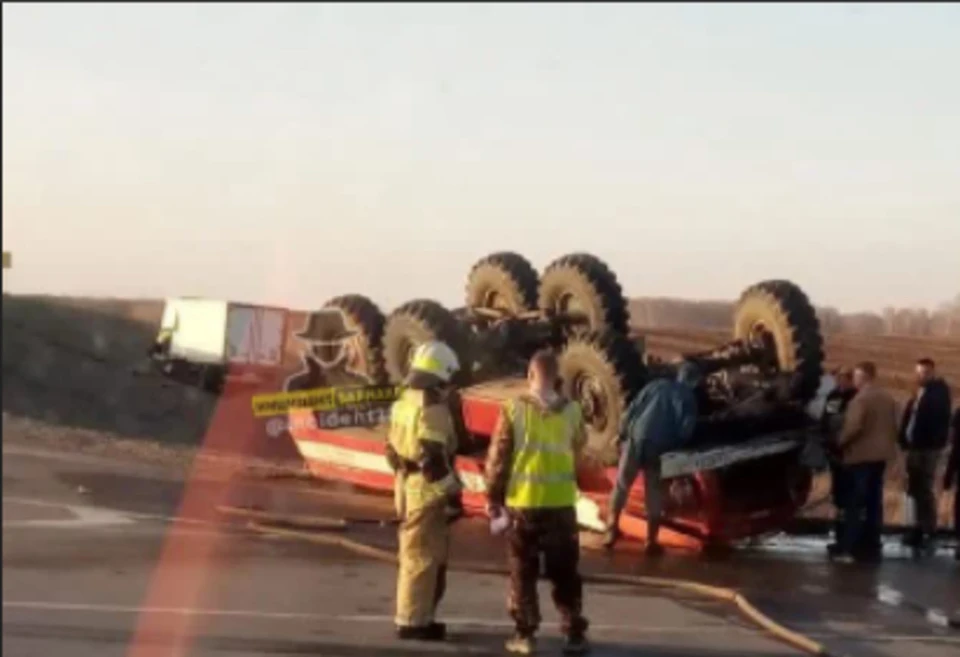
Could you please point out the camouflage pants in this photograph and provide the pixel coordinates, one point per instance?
(552, 534)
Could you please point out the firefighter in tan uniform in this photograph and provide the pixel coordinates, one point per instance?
(531, 476)
(421, 448)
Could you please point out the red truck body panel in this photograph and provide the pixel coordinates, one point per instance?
(712, 512)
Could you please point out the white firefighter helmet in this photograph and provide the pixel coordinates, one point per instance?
(436, 358)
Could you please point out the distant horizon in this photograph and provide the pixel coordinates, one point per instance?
(386, 310)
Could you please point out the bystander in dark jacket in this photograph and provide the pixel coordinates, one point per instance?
(924, 430)
(926, 418)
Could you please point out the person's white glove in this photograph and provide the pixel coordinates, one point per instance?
(499, 519)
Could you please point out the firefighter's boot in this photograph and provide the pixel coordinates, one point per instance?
(520, 644)
(431, 632)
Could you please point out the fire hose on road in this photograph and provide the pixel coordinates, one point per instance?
(297, 527)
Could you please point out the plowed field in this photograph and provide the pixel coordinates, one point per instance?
(894, 356)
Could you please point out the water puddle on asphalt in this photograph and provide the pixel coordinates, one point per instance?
(804, 547)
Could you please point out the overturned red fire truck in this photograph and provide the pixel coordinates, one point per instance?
(744, 473)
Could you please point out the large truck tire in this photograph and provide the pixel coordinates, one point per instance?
(414, 323)
(503, 281)
(783, 310)
(582, 284)
(363, 316)
(602, 371)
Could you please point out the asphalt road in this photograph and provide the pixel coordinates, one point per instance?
(107, 558)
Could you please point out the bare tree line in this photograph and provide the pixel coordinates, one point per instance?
(658, 312)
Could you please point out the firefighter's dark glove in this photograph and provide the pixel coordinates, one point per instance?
(394, 460)
(433, 461)
(454, 508)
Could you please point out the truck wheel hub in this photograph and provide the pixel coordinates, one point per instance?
(496, 301)
(760, 336)
(589, 393)
(570, 307)
(406, 354)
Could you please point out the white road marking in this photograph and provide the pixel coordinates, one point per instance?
(129, 514)
(889, 638)
(463, 622)
(129, 461)
(85, 517)
(75, 457)
(938, 617)
(345, 618)
(889, 596)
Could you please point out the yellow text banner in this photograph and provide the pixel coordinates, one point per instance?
(322, 399)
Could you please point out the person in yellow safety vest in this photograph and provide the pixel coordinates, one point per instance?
(531, 476)
(421, 448)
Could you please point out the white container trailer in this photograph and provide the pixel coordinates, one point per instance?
(209, 341)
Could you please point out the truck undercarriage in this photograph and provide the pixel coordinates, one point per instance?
(759, 383)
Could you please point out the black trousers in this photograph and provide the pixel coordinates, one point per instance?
(921, 474)
(553, 535)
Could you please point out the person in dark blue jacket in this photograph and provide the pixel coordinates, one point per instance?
(661, 418)
(923, 436)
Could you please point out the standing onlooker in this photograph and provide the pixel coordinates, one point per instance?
(923, 436)
(950, 478)
(832, 422)
(867, 441)
(531, 476)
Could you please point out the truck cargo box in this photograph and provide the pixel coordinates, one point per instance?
(206, 341)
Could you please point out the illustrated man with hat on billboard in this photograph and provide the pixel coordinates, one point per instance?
(326, 358)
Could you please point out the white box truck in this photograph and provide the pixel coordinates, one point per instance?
(206, 342)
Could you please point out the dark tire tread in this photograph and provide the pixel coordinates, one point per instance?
(797, 318)
(510, 274)
(614, 359)
(363, 315)
(427, 319)
(587, 271)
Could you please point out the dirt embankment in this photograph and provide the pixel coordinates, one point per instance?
(70, 362)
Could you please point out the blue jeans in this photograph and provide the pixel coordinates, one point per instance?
(862, 507)
(633, 460)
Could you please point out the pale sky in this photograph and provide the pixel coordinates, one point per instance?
(288, 153)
